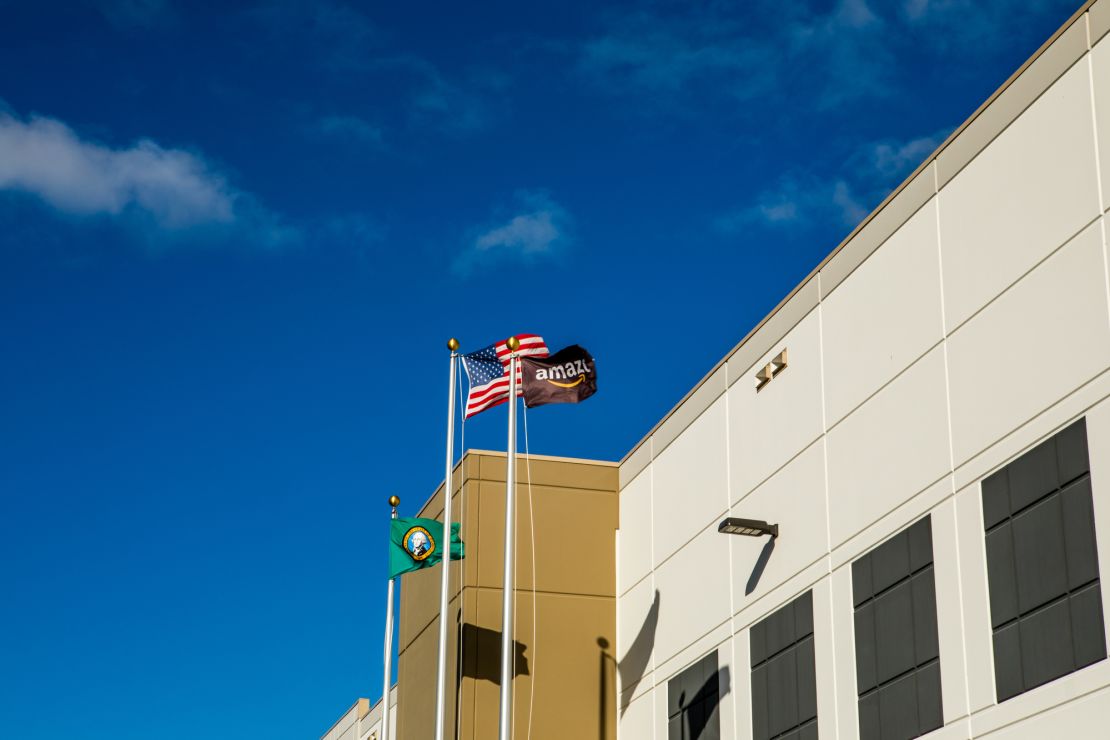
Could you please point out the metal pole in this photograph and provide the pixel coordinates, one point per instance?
(393, 501)
(441, 671)
(508, 586)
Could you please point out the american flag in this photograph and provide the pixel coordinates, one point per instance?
(488, 372)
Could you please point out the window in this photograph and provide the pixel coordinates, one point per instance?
(1042, 564)
(897, 657)
(692, 699)
(784, 683)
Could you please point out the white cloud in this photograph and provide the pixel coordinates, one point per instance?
(798, 199)
(163, 192)
(892, 159)
(539, 228)
(802, 197)
(44, 157)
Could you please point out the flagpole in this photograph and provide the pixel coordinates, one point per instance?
(509, 584)
(441, 672)
(393, 501)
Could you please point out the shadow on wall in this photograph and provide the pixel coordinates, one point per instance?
(481, 653)
(760, 566)
(698, 710)
(634, 663)
(606, 685)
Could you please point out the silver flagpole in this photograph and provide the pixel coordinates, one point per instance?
(441, 673)
(393, 501)
(508, 585)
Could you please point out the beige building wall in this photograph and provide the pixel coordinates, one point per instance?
(363, 722)
(965, 321)
(565, 604)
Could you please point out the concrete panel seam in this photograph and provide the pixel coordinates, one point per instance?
(1070, 699)
(1098, 21)
(1022, 425)
(728, 497)
(960, 598)
(1023, 275)
(639, 580)
(1013, 89)
(678, 433)
(899, 505)
(776, 604)
(767, 334)
(712, 523)
(1098, 179)
(785, 579)
(929, 161)
(776, 471)
(544, 592)
(641, 457)
(824, 416)
(885, 385)
(892, 229)
(944, 341)
(687, 646)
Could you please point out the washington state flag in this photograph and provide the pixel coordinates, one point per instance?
(418, 543)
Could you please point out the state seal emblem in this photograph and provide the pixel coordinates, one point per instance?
(418, 543)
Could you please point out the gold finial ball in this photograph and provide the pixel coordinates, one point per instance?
(513, 343)
(452, 344)
(393, 501)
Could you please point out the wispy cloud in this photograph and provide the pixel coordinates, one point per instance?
(538, 228)
(456, 105)
(171, 190)
(891, 160)
(982, 25)
(798, 199)
(133, 14)
(330, 33)
(802, 198)
(340, 38)
(351, 127)
(709, 53)
(682, 57)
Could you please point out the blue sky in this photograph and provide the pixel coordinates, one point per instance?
(236, 238)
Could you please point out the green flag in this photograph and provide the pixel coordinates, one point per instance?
(418, 543)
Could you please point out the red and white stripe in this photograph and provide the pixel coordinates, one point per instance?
(496, 391)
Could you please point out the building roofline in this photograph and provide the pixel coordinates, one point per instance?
(496, 453)
(1075, 17)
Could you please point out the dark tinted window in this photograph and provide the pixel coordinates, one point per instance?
(897, 658)
(692, 700)
(1042, 563)
(784, 683)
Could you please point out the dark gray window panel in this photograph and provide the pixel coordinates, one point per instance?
(784, 681)
(1007, 661)
(1046, 643)
(1079, 518)
(1086, 625)
(897, 655)
(1042, 564)
(693, 698)
(1039, 562)
(1003, 582)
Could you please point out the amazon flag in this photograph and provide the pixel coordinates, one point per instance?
(568, 376)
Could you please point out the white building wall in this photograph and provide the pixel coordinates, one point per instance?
(973, 330)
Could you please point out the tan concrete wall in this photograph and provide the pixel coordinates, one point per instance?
(565, 628)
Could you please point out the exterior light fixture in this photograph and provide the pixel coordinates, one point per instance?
(748, 527)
